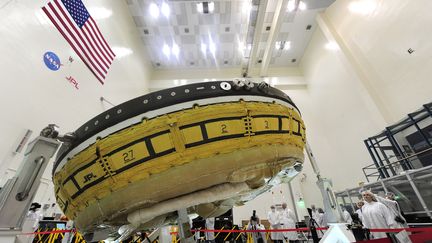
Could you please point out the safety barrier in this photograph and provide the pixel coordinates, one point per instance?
(55, 234)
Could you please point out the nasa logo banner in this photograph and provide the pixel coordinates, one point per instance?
(52, 61)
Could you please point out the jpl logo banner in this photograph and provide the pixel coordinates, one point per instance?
(52, 61)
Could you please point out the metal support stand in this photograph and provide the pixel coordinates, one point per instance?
(18, 193)
(419, 196)
(333, 212)
(293, 201)
(185, 233)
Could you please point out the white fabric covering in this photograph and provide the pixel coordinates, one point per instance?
(377, 215)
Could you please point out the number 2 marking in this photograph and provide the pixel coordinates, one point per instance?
(223, 127)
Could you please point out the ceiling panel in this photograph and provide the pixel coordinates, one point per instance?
(226, 27)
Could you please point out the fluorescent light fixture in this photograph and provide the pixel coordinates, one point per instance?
(211, 7)
(212, 48)
(363, 7)
(204, 48)
(283, 45)
(200, 8)
(121, 51)
(241, 46)
(175, 50)
(100, 12)
(287, 45)
(333, 46)
(291, 5)
(165, 9)
(302, 6)
(247, 7)
(154, 10)
(166, 50)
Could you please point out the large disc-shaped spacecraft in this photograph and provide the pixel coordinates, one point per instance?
(203, 147)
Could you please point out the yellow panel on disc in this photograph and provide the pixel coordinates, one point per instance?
(89, 174)
(70, 188)
(129, 155)
(285, 124)
(266, 124)
(192, 134)
(225, 128)
(162, 143)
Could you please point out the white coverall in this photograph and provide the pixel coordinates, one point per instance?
(346, 216)
(210, 222)
(377, 215)
(288, 222)
(257, 235)
(322, 222)
(360, 214)
(274, 220)
(394, 209)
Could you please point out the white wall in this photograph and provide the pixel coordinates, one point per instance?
(32, 96)
(378, 33)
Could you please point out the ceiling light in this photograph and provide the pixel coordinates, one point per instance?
(302, 6)
(165, 9)
(204, 48)
(199, 7)
(278, 45)
(154, 10)
(175, 50)
(247, 6)
(212, 48)
(332, 46)
(291, 5)
(166, 50)
(364, 7)
(241, 47)
(205, 7)
(211, 7)
(121, 51)
(283, 45)
(99, 12)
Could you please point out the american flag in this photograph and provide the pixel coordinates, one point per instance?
(75, 24)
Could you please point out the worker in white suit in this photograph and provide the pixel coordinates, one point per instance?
(288, 221)
(346, 215)
(210, 236)
(275, 220)
(394, 208)
(376, 215)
